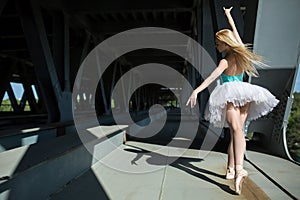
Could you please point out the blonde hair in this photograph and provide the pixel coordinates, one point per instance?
(244, 57)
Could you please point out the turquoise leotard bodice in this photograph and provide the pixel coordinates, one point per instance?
(226, 78)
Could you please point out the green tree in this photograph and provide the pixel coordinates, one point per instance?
(293, 130)
(7, 107)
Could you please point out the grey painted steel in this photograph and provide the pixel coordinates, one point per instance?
(28, 93)
(289, 108)
(221, 20)
(67, 84)
(5, 80)
(12, 98)
(58, 102)
(45, 48)
(104, 98)
(113, 82)
(207, 40)
(274, 24)
(269, 129)
(38, 46)
(58, 44)
(2, 5)
(127, 5)
(277, 35)
(38, 170)
(250, 20)
(14, 138)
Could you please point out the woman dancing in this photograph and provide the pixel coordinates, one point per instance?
(231, 103)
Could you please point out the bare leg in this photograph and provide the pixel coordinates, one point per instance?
(236, 117)
(243, 117)
(233, 115)
(230, 151)
(230, 171)
(244, 113)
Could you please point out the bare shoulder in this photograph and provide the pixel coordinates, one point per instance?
(224, 61)
(223, 64)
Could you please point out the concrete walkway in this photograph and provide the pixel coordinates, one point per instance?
(145, 171)
(277, 177)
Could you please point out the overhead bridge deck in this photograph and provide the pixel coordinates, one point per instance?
(83, 84)
(131, 169)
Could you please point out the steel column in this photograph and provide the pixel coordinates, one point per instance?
(28, 90)
(58, 44)
(38, 45)
(2, 5)
(13, 99)
(250, 21)
(67, 84)
(102, 85)
(4, 82)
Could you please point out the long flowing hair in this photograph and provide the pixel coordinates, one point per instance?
(245, 58)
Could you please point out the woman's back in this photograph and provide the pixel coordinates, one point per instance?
(233, 69)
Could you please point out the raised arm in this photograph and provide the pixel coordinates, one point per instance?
(215, 74)
(232, 24)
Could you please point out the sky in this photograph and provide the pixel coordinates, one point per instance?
(297, 85)
(18, 88)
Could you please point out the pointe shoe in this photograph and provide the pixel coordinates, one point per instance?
(241, 175)
(230, 173)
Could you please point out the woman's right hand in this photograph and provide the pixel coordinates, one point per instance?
(227, 10)
(192, 100)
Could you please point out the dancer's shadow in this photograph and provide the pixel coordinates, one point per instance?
(183, 164)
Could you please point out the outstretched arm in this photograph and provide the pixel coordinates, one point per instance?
(216, 73)
(232, 24)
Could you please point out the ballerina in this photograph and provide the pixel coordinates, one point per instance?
(231, 103)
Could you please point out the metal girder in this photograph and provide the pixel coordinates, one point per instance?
(208, 36)
(123, 90)
(4, 81)
(66, 47)
(221, 20)
(116, 6)
(109, 27)
(23, 102)
(92, 28)
(17, 59)
(86, 47)
(28, 90)
(12, 27)
(104, 98)
(58, 44)
(158, 59)
(13, 99)
(134, 16)
(10, 31)
(124, 16)
(2, 5)
(250, 21)
(114, 17)
(38, 45)
(204, 21)
(37, 41)
(83, 54)
(103, 16)
(113, 27)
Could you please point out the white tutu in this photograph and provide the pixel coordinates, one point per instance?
(238, 93)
